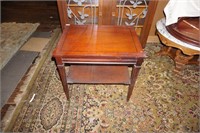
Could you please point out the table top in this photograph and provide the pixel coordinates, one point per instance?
(99, 41)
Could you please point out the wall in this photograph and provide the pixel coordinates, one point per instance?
(158, 15)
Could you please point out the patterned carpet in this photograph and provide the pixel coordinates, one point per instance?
(161, 102)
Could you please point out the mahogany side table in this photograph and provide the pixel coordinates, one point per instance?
(98, 54)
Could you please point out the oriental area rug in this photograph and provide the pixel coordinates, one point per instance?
(161, 102)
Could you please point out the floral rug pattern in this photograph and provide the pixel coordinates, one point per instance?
(161, 102)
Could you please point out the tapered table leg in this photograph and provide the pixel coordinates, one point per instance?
(62, 74)
(134, 74)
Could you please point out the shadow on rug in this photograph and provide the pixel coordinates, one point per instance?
(160, 102)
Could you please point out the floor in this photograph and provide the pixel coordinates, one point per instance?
(43, 12)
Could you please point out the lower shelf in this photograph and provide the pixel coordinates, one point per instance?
(98, 74)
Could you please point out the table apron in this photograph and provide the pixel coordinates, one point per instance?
(124, 61)
(99, 62)
(103, 63)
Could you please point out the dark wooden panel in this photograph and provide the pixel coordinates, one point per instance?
(106, 10)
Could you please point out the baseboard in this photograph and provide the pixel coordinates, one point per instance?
(153, 39)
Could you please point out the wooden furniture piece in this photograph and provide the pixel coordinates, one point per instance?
(98, 54)
(138, 14)
(187, 30)
(181, 41)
